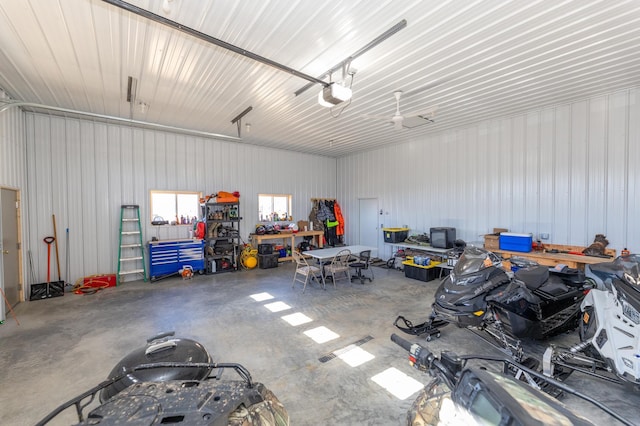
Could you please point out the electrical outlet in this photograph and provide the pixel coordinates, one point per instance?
(544, 236)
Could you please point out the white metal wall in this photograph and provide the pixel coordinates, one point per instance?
(83, 171)
(12, 167)
(567, 170)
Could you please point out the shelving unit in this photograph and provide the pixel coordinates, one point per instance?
(222, 237)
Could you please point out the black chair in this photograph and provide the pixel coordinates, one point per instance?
(361, 265)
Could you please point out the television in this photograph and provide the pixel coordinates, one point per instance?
(442, 237)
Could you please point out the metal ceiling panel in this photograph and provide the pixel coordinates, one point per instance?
(474, 60)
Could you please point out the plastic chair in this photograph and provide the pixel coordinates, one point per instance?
(362, 264)
(339, 264)
(303, 269)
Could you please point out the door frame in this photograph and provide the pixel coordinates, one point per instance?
(20, 246)
(360, 221)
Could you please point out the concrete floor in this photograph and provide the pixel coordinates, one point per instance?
(66, 345)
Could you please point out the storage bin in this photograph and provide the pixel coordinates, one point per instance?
(516, 242)
(421, 273)
(265, 248)
(267, 261)
(395, 235)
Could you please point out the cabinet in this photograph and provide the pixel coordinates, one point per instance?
(168, 257)
(222, 238)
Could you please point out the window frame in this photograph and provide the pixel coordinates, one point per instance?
(289, 207)
(198, 197)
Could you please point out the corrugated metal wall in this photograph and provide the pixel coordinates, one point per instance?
(83, 171)
(568, 170)
(12, 168)
(12, 152)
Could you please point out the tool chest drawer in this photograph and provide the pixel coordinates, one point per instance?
(168, 257)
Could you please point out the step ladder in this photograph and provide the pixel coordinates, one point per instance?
(131, 251)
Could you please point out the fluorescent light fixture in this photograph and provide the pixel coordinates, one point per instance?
(297, 319)
(333, 94)
(277, 306)
(260, 297)
(356, 356)
(321, 334)
(397, 383)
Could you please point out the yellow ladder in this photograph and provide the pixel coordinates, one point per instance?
(131, 251)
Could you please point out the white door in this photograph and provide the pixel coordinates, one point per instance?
(369, 228)
(9, 248)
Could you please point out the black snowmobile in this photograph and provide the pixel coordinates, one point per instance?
(534, 302)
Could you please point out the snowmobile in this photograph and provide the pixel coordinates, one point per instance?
(172, 380)
(533, 302)
(474, 395)
(609, 332)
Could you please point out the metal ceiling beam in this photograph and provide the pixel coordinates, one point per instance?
(345, 63)
(209, 39)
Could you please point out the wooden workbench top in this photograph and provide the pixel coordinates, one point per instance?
(553, 259)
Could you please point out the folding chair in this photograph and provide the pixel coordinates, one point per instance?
(303, 269)
(339, 265)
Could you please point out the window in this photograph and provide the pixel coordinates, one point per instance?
(272, 207)
(175, 208)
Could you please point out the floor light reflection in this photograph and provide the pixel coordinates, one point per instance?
(260, 297)
(356, 356)
(321, 334)
(297, 319)
(277, 306)
(397, 383)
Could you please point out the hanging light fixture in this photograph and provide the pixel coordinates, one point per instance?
(333, 94)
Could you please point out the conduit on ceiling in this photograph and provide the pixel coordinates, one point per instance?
(136, 123)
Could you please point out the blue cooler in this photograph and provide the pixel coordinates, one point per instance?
(516, 242)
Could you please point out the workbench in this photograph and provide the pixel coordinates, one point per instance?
(288, 238)
(553, 259)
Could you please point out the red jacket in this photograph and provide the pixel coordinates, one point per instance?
(338, 212)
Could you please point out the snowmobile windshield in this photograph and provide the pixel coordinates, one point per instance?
(631, 268)
(471, 261)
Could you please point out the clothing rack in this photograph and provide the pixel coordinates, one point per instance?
(323, 199)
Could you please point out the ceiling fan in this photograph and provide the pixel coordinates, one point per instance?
(400, 120)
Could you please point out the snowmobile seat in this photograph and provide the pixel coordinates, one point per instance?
(570, 276)
(533, 277)
(555, 286)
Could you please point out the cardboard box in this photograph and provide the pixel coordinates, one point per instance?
(492, 241)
